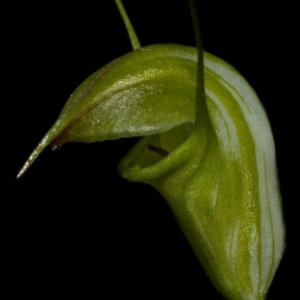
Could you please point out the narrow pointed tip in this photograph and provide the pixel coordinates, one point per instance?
(29, 162)
(36, 152)
(23, 170)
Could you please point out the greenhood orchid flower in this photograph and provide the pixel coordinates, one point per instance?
(207, 147)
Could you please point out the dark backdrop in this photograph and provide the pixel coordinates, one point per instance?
(71, 222)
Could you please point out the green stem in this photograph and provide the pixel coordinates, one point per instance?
(201, 106)
(132, 35)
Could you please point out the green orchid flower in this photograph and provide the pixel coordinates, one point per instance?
(207, 147)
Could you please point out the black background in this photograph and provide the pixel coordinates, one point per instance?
(71, 222)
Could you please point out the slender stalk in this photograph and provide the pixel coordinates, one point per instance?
(201, 106)
(132, 35)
